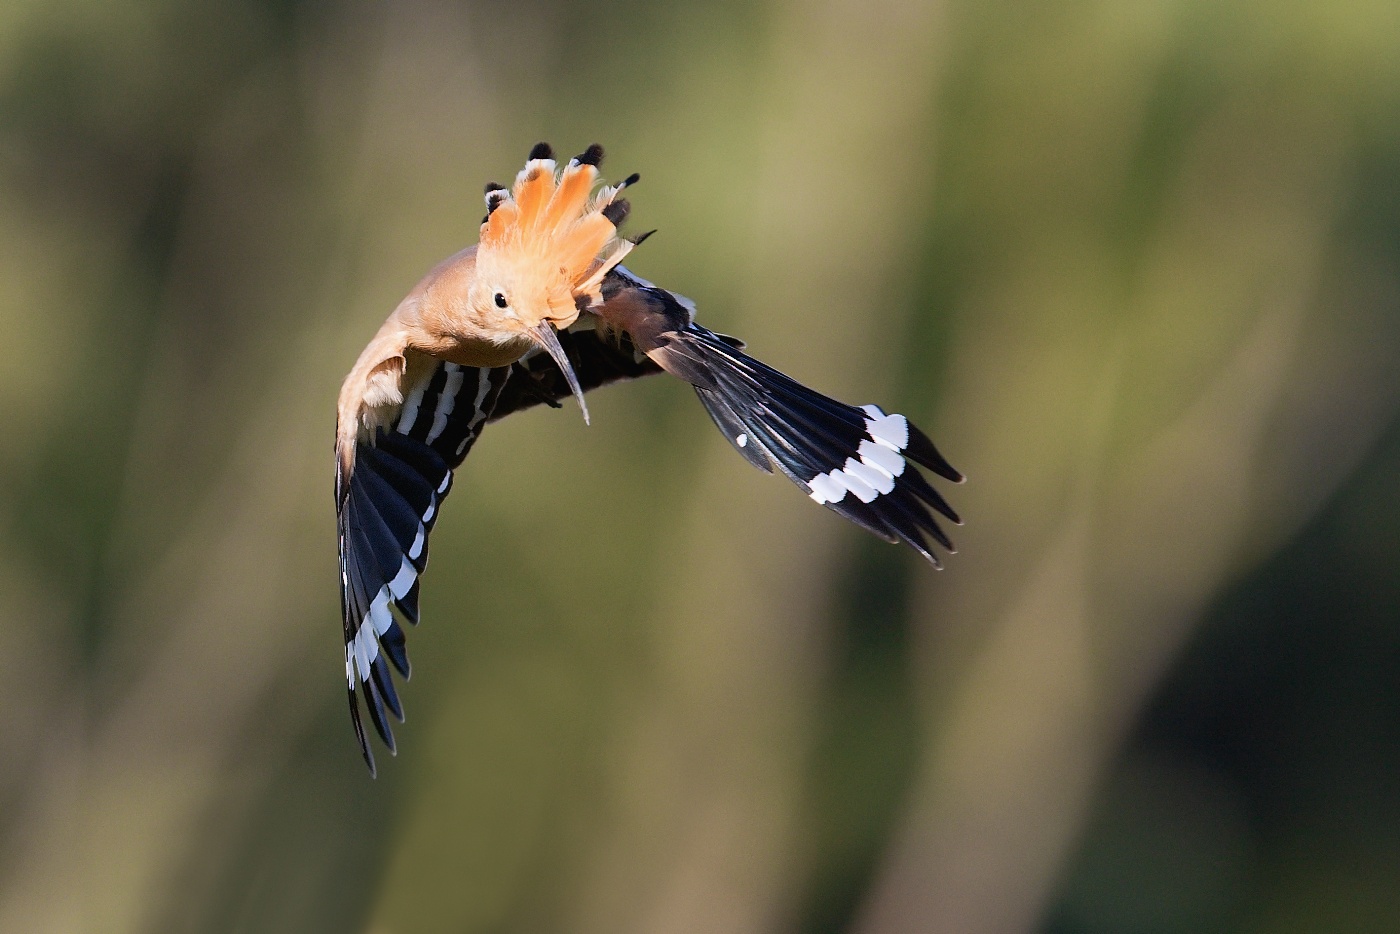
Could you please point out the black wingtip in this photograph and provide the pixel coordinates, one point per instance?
(927, 555)
(408, 603)
(630, 180)
(360, 735)
(593, 155)
(396, 649)
(376, 715)
(384, 686)
(641, 238)
(921, 488)
(541, 151)
(922, 451)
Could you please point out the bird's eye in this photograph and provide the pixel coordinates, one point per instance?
(500, 300)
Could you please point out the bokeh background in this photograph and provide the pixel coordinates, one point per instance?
(1134, 265)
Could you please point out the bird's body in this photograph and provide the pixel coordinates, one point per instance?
(538, 310)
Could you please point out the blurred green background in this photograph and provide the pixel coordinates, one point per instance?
(1134, 265)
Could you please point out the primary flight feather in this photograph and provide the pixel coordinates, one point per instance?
(541, 309)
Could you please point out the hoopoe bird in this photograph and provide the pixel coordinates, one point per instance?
(541, 309)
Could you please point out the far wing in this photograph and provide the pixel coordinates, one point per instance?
(855, 461)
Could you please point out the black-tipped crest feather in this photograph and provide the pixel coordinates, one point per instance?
(617, 211)
(593, 156)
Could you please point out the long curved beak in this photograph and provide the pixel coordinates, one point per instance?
(545, 336)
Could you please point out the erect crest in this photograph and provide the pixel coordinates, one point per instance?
(553, 218)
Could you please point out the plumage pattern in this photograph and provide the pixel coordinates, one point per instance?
(386, 513)
(851, 460)
(540, 310)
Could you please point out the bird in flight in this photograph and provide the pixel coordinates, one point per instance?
(541, 309)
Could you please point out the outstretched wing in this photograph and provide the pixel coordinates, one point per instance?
(388, 505)
(852, 460)
(386, 511)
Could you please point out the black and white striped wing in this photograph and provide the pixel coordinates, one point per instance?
(386, 513)
(391, 502)
(855, 461)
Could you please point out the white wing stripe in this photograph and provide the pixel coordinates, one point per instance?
(379, 618)
(400, 585)
(447, 400)
(409, 415)
(890, 430)
(827, 487)
(874, 478)
(874, 454)
(855, 483)
(363, 644)
(363, 649)
(483, 389)
(880, 463)
(479, 413)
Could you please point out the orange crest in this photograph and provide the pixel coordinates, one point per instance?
(552, 222)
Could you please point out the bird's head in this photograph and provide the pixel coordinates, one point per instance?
(546, 244)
